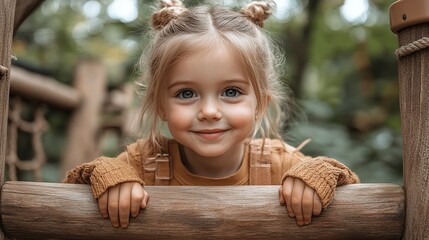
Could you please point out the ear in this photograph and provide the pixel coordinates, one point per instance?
(162, 115)
(262, 109)
(266, 99)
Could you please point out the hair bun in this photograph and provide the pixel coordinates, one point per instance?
(170, 9)
(259, 11)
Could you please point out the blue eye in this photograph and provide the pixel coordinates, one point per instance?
(186, 94)
(231, 92)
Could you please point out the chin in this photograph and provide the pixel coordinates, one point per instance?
(208, 153)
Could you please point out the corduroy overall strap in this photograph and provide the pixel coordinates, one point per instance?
(158, 169)
(260, 162)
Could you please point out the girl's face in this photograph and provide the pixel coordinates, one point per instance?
(210, 105)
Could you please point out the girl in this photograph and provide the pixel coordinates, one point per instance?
(209, 75)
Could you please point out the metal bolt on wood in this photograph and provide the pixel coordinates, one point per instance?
(3, 70)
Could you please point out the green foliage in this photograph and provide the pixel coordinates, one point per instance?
(375, 156)
(348, 89)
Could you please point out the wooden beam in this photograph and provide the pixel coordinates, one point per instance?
(60, 211)
(23, 9)
(44, 89)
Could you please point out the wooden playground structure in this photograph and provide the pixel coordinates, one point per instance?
(362, 211)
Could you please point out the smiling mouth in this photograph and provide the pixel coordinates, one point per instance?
(210, 134)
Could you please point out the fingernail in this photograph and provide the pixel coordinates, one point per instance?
(115, 225)
(124, 226)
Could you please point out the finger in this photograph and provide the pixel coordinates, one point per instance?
(137, 194)
(145, 200)
(317, 205)
(112, 205)
(124, 204)
(281, 198)
(296, 200)
(287, 194)
(102, 204)
(307, 204)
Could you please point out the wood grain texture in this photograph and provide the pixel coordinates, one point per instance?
(414, 106)
(66, 211)
(7, 9)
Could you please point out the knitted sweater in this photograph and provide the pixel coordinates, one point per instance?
(138, 164)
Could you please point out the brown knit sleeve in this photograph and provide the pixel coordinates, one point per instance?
(103, 173)
(323, 174)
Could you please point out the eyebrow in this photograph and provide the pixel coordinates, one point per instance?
(189, 82)
(179, 82)
(238, 80)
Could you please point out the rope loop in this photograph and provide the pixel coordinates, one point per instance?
(415, 46)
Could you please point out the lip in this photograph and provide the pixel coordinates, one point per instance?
(210, 134)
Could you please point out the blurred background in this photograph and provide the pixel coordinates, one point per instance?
(340, 65)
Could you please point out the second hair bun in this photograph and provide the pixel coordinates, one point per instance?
(170, 9)
(259, 11)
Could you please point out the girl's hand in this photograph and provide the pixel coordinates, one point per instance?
(120, 201)
(301, 201)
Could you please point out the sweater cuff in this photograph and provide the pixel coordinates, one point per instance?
(318, 175)
(110, 173)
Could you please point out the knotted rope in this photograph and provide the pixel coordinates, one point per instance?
(36, 128)
(415, 46)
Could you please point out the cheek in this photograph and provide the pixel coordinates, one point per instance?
(242, 115)
(178, 117)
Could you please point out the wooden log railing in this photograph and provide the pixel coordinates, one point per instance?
(68, 211)
(43, 89)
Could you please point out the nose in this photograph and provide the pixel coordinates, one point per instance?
(209, 110)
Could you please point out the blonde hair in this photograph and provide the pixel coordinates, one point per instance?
(181, 32)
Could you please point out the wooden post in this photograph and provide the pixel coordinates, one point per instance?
(90, 82)
(7, 12)
(68, 211)
(410, 20)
